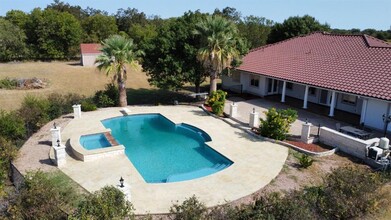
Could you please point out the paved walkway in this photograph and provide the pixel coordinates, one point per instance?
(256, 162)
(261, 105)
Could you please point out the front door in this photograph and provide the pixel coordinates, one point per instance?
(324, 94)
(272, 86)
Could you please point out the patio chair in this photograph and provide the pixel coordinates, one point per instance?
(338, 126)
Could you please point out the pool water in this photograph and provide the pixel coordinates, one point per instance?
(162, 151)
(94, 141)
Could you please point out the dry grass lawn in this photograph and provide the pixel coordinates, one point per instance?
(64, 77)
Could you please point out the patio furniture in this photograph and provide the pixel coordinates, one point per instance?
(355, 132)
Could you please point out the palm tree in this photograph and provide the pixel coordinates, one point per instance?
(117, 53)
(219, 46)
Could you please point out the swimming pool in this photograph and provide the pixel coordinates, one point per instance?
(163, 151)
(94, 141)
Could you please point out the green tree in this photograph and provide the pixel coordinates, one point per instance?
(60, 6)
(107, 203)
(18, 18)
(277, 123)
(295, 26)
(128, 17)
(12, 42)
(220, 46)
(98, 27)
(52, 34)
(171, 57)
(118, 52)
(255, 29)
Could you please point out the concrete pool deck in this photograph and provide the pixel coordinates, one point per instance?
(256, 162)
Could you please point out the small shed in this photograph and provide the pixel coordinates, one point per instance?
(89, 52)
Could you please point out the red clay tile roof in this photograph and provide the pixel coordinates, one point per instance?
(356, 64)
(90, 48)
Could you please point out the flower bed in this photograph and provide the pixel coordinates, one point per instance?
(318, 147)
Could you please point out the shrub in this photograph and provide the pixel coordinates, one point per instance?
(107, 203)
(88, 105)
(44, 196)
(62, 104)
(350, 192)
(34, 112)
(216, 100)
(190, 209)
(108, 97)
(305, 161)
(11, 126)
(8, 83)
(8, 152)
(277, 123)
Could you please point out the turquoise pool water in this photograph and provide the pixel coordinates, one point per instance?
(162, 151)
(94, 141)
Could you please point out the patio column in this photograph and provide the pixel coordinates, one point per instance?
(363, 111)
(332, 104)
(305, 97)
(283, 92)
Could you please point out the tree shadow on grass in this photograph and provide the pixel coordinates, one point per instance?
(157, 97)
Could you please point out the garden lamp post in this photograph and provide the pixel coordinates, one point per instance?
(387, 120)
(121, 182)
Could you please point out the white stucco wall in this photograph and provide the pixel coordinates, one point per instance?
(245, 80)
(88, 59)
(374, 113)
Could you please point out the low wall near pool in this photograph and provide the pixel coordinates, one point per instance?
(89, 155)
(345, 143)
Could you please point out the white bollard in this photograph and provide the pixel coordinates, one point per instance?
(305, 132)
(56, 135)
(59, 155)
(233, 110)
(254, 119)
(76, 111)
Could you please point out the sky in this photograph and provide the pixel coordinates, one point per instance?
(343, 14)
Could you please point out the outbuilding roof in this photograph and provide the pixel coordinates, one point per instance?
(90, 48)
(358, 64)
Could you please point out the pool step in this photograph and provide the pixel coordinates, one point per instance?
(111, 139)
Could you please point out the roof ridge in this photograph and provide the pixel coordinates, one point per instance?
(283, 41)
(370, 44)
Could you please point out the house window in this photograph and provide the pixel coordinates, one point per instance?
(349, 99)
(236, 76)
(312, 91)
(254, 81)
(289, 85)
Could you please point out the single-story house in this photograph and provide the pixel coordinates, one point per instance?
(89, 52)
(351, 73)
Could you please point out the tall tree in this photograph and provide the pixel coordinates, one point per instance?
(295, 26)
(128, 17)
(52, 34)
(255, 29)
(98, 27)
(60, 6)
(220, 45)
(117, 53)
(18, 18)
(171, 57)
(12, 41)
